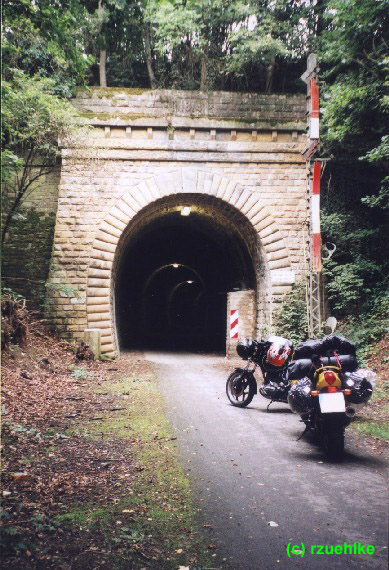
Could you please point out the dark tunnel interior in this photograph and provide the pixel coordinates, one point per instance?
(172, 280)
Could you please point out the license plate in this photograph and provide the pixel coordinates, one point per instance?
(330, 403)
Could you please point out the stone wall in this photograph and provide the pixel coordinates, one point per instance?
(27, 250)
(243, 150)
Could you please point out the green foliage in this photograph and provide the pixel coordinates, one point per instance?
(229, 41)
(79, 374)
(190, 39)
(7, 291)
(353, 51)
(46, 38)
(290, 320)
(377, 155)
(355, 274)
(34, 119)
(353, 57)
(272, 37)
(10, 165)
(368, 327)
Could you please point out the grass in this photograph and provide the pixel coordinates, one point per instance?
(84, 516)
(158, 507)
(372, 428)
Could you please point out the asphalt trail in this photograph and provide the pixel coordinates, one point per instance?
(248, 470)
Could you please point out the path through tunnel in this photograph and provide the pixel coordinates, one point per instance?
(174, 271)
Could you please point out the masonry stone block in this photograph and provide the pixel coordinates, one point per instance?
(189, 180)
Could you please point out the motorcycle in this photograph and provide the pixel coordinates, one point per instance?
(272, 357)
(330, 393)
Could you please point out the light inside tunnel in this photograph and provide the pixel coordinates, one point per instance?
(172, 279)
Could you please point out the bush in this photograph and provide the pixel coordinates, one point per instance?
(366, 329)
(290, 320)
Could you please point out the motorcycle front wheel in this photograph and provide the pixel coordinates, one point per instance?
(239, 389)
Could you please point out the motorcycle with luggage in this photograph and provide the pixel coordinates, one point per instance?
(327, 389)
(271, 357)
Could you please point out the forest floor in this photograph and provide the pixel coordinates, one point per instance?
(91, 477)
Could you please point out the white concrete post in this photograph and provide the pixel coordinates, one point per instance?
(93, 340)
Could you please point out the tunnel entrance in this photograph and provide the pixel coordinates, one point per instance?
(173, 273)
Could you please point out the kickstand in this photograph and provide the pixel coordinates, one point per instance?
(307, 428)
(269, 404)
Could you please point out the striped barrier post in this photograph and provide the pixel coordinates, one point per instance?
(314, 119)
(315, 218)
(234, 323)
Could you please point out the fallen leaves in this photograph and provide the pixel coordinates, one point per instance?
(47, 464)
(59, 485)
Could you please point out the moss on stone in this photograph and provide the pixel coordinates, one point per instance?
(109, 92)
(109, 116)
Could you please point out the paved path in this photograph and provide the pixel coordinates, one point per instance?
(248, 469)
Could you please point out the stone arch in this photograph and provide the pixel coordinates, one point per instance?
(129, 204)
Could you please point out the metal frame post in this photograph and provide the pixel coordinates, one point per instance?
(311, 78)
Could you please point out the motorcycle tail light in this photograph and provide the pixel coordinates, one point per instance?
(332, 389)
(347, 392)
(330, 377)
(314, 393)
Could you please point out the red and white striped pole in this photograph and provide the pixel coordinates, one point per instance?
(314, 115)
(234, 323)
(315, 218)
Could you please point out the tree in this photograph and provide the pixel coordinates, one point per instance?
(33, 120)
(353, 55)
(189, 36)
(46, 38)
(44, 58)
(274, 36)
(213, 43)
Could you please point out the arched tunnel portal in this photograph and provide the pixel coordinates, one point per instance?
(172, 273)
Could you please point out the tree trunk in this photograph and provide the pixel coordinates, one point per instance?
(10, 216)
(204, 63)
(203, 73)
(102, 68)
(319, 9)
(149, 56)
(102, 46)
(270, 74)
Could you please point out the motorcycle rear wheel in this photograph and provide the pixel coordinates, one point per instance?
(333, 442)
(239, 390)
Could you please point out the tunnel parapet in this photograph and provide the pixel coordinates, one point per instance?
(214, 109)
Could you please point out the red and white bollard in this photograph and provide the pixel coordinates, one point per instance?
(234, 323)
